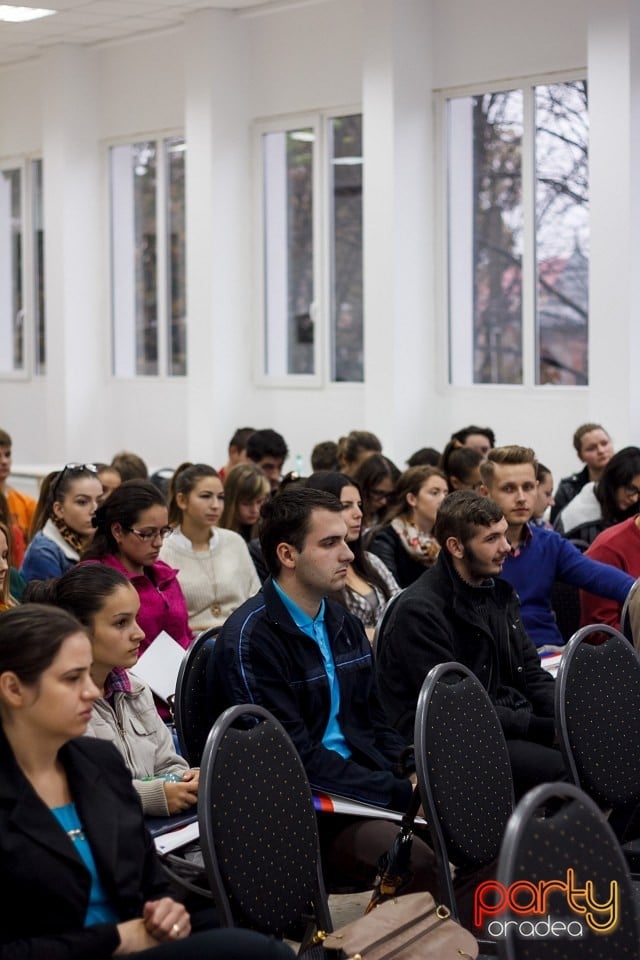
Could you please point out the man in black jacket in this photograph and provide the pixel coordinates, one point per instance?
(308, 661)
(460, 610)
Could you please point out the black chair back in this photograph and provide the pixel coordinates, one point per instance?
(556, 829)
(191, 710)
(258, 828)
(381, 625)
(598, 715)
(630, 615)
(463, 769)
(565, 603)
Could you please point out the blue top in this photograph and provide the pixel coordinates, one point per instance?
(44, 559)
(545, 556)
(99, 909)
(333, 738)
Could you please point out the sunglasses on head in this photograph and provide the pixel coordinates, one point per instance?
(72, 468)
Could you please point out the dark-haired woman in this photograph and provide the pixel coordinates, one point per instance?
(107, 606)
(369, 583)
(130, 528)
(62, 524)
(80, 877)
(405, 543)
(214, 568)
(376, 477)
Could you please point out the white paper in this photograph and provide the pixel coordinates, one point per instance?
(177, 838)
(159, 665)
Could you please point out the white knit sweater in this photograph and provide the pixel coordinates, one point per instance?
(215, 581)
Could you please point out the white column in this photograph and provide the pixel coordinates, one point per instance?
(614, 157)
(398, 220)
(77, 341)
(220, 347)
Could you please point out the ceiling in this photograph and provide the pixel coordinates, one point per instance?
(96, 21)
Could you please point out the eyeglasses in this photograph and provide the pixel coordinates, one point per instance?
(379, 495)
(72, 468)
(151, 533)
(631, 490)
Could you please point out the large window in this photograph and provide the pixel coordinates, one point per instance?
(148, 282)
(22, 333)
(518, 235)
(312, 248)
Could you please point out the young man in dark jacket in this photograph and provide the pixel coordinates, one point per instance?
(460, 610)
(308, 661)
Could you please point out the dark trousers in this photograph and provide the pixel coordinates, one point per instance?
(533, 763)
(227, 944)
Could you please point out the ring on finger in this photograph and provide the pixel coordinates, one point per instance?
(175, 930)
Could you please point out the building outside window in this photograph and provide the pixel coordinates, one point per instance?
(148, 254)
(518, 234)
(311, 249)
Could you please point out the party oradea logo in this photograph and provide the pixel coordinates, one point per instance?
(547, 910)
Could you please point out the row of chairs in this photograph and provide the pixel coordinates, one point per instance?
(258, 828)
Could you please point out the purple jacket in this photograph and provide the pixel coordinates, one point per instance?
(162, 603)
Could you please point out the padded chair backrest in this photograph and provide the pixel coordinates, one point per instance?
(463, 768)
(190, 707)
(258, 828)
(598, 714)
(565, 602)
(383, 620)
(630, 616)
(572, 835)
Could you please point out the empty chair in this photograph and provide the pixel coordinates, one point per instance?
(191, 707)
(558, 834)
(258, 827)
(464, 773)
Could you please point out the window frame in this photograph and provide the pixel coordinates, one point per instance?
(24, 163)
(159, 138)
(447, 348)
(319, 121)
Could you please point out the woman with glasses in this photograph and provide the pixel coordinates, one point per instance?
(376, 477)
(62, 524)
(130, 528)
(613, 498)
(214, 567)
(405, 542)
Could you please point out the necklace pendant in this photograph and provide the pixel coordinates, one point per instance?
(216, 609)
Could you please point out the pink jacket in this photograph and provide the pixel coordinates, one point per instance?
(162, 603)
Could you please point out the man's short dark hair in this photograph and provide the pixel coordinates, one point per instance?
(461, 513)
(461, 435)
(286, 518)
(240, 437)
(324, 456)
(266, 443)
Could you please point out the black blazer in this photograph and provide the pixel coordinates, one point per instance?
(44, 886)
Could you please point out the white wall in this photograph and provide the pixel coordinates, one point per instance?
(384, 54)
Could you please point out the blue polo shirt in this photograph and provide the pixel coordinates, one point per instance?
(333, 738)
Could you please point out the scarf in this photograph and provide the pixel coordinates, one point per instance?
(419, 545)
(75, 540)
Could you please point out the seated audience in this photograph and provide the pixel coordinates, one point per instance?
(355, 448)
(21, 507)
(81, 878)
(481, 439)
(246, 489)
(268, 450)
(63, 521)
(544, 496)
(215, 571)
(618, 546)
(109, 477)
(6, 600)
(237, 451)
(308, 661)
(107, 606)
(405, 543)
(461, 467)
(377, 477)
(18, 540)
(461, 610)
(538, 557)
(425, 457)
(130, 466)
(593, 445)
(369, 584)
(613, 498)
(130, 528)
(324, 456)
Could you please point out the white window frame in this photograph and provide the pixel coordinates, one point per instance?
(24, 164)
(529, 333)
(319, 122)
(162, 277)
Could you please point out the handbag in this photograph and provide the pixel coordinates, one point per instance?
(412, 927)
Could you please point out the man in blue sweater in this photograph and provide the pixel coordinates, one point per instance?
(539, 556)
